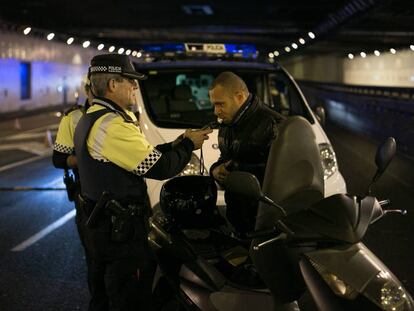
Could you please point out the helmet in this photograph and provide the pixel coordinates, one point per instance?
(189, 202)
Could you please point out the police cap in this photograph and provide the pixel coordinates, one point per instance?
(114, 64)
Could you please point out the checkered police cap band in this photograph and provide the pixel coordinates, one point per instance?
(114, 64)
(105, 69)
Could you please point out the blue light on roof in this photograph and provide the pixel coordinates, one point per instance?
(167, 47)
(247, 50)
(244, 51)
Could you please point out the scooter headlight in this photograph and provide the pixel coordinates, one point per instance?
(339, 287)
(328, 158)
(384, 290)
(388, 293)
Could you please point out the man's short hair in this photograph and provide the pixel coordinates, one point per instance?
(231, 82)
(99, 82)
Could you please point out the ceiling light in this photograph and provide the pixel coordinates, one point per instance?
(276, 53)
(363, 54)
(111, 49)
(311, 35)
(134, 53)
(287, 49)
(412, 47)
(351, 56)
(139, 54)
(121, 50)
(70, 41)
(50, 36)
(197, 9)
(86, 43)
(271, 55)
(294, 45)
(101, 46)
(27, 30)
(302, 41)
(128, 52)
(377, 53)
(393, 51)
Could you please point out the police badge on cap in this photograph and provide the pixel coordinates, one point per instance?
(114, 64)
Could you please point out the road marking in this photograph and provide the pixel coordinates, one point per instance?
(41, 234)
(58, 180)
(26, 136)
(9, 166)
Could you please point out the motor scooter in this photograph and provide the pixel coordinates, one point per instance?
(301, 239)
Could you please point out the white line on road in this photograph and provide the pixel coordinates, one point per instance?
(9, 166)
(23, 136)
(54, 182)
(41, 234)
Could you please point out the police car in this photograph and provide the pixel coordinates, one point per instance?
(175, 97)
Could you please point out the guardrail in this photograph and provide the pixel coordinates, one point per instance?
(375, 111)
(369, 90)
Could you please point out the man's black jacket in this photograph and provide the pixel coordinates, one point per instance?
(247, 139)
(246, 142)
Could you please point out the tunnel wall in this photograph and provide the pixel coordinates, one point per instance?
(384, 70)
(54, 71)
(375, 116)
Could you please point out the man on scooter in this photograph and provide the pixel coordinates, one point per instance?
(247, 130)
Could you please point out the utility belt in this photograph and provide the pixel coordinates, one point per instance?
(123, 216)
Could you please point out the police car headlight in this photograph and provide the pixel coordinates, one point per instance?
(388, 293)
(194, 167)
(328, 158)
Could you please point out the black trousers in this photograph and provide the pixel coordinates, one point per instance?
(119, 274)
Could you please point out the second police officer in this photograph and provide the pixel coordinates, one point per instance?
(64, 154)
(113, 158)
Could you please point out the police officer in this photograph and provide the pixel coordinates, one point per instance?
(63, 150)
(113, 158)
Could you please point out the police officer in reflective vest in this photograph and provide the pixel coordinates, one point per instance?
(113, 158)
(63, 150)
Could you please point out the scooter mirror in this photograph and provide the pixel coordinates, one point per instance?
(244, 184)
(384, 155)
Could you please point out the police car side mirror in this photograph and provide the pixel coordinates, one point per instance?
(320, 115)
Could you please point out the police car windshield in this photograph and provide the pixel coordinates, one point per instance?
(180, 98)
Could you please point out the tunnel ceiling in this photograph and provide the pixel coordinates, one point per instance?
(340, 27)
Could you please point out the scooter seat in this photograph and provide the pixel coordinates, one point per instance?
(227, 255)
(209, 244)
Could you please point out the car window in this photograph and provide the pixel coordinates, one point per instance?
(285, 98)
(179, 99)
